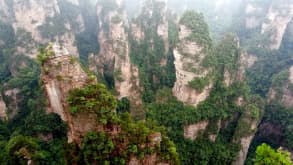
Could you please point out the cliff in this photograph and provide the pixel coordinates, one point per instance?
(61, 72)
(188, 59)
(39, 22)
(3, 114)
(269, 20)
(113, 61)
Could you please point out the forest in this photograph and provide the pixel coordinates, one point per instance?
(244, 110)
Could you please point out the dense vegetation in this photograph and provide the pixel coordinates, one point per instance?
(153, 75)
(32, 134)
(200, 31)
(108, 147)
(266, 155)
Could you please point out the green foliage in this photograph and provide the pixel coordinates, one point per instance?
(268, 156)
(260, 75)
(174, 115)
(52, 27)
(56, 26)
(225, 57)
(116, 19)
(170, 78)
(287, 40)
(20, 149)
(199, 83)
(102, 148)
(279, 80)
(200, 30)
(278, 114)
(44, 54)
(154, 72)
(38, 122)
(123, 105)
(96, 148)
(204, 152)
(172, 32)
(93, 98)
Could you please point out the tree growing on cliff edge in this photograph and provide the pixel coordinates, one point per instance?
(265, 155)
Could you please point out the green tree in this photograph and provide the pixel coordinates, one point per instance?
(93, 98)
(96, 148)
(265, 155)
(21, 149)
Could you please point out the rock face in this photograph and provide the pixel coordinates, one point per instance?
(282, 91)
(3, 114)
(38, 22)
(278, 17)
(271, 19)
(245, 142)
(113, 57)
(29, 15)
(188, 59)
(62, 73)
(12, 107)
(192, 131)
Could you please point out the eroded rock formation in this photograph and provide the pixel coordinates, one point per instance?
(271, 19)
(39, 22)
(188, 59)
(113, 57)
(60, 74)
(3, 114)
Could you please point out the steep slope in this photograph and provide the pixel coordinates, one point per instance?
(2, 109)
(113, 61)
(224, 115)
(152, 34)
(39, 22)
(193, 46)
(25, 25)
(61, 73)
(265, 22)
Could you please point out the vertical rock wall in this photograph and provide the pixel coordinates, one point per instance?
(188, 58)
(60, 74)
(114, 53)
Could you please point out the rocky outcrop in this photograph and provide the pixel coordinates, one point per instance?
(192, 131)
(3, 114)
(245, 143)
(136, 32)
(282, 90)
(150, 159)
(270, 19)
(163, 27)
(12, 107)
(29, 15)
(247, 127)
(38, 22)
(60, 74)
(188, 59)
(114, 57)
